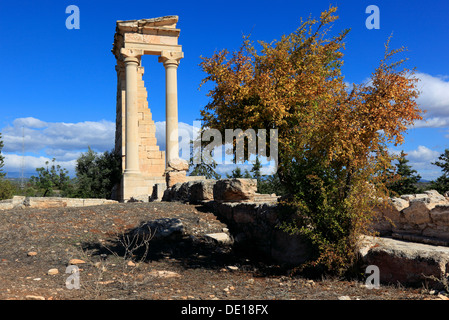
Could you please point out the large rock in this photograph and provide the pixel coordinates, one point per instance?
(406, 262)
(232, 190)
(178, 165)
(161, 229)
(202, 190)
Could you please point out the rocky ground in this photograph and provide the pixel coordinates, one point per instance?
(38, 245)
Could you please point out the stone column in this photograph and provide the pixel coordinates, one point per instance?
(131, 60)
(171, 62)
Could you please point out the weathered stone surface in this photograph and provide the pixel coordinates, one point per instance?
(202, 190)
(424, 217)
(141, 198)
(174, 177)
(161, 229)
(220, 238)
(53, 271)
(51, 202)
(405, 262)
(178, 165)
(164, 274)
(191, 191)
(231, 190)
(417, 213)
(440, 215)
(76, 261)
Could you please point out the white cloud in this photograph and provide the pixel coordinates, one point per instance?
(434, 94)
(13, 164)
(65, 142)
(434, 98)
(421, 159)
(42, 141)
(38, 136)
(423, 154)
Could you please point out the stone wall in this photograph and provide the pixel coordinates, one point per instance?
(417, 217)
(252, 218)
(50, 202)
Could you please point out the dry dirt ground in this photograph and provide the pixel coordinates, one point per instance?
(34, 241)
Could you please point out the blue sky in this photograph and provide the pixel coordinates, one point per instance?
(58, 86)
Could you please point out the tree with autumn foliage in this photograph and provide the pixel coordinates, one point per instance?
(332, 140)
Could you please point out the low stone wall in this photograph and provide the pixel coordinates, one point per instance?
(255, 227)
(417, 217)
(252, 218)
(50, 202)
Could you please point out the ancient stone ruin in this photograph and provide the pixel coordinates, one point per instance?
(253, 220)
(144, 165)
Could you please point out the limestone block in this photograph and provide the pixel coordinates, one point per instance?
(405, 262)
(219, 238)
(417, 213)
(174, 177)
(235, 190)
(440, 215)
(178, 165)
(202, 190)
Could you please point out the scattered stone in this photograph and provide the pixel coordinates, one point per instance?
(344, 298)
(442, 297)
(233, 268)
(76, 261)
(219, 238)
(31, 253)
(232, 190)
(53, 271)
(106, 282)
(131, 264)
(31, 297)
(178, 164)
(164, 274)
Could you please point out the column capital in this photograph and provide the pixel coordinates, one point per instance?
(171, 57)
(131, 55)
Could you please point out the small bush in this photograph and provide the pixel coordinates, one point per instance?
(7, 189)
